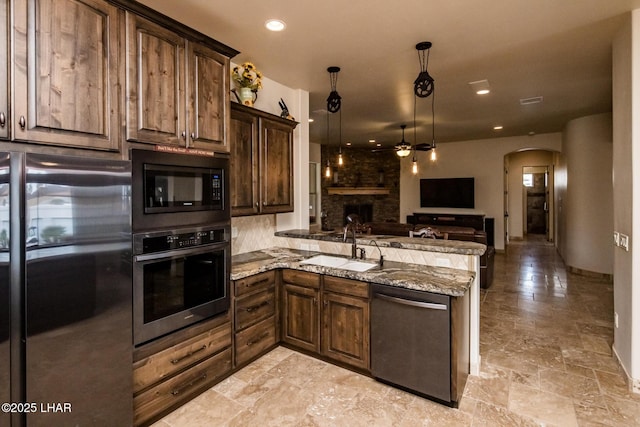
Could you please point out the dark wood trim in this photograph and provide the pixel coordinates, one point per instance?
(259, 113)
(165, 21)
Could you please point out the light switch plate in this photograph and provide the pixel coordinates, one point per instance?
(624, 241)
(616, 238)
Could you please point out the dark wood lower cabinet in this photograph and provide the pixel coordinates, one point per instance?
(345, 322)
(255, 316)
(300, 310)
(180, 388)
(343, 335)
(172, 370)
(321, 315)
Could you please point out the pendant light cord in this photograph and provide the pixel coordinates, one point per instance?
(424, 61)
(433, 119)
(415, 140)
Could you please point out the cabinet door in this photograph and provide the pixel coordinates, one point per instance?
(243, 141)
(208, 98)
(300, 317)
(345, 335)
(4, 75)
(66, 73)
(277, 166)
(155, 83)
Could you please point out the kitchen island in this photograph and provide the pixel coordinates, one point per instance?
(328, 310)
(425, 252)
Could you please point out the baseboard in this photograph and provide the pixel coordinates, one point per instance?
(587, 273)
(633, 384)
(474, 368)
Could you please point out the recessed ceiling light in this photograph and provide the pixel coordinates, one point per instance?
(275, 25)
(497, 127)
(348, 143)
(378, 145)
(372, 140)
(310, 120)
(481, 87)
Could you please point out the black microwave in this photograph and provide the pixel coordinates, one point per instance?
(175, 190)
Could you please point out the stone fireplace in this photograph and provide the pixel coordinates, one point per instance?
(357, 184)
(363, 210)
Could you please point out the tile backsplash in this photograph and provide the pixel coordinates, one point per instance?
(252, 233)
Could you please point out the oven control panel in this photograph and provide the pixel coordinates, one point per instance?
(159, 242)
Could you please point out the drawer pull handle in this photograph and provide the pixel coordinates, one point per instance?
(176, 391)
(256, 307)
(22, 122)
(188, 355)
(257, 340)
(259, 282)
(3, 120)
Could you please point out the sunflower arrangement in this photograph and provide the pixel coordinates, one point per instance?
(247, 75)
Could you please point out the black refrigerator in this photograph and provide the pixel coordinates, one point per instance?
(65, 291)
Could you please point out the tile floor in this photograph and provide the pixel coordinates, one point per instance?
(545, 341)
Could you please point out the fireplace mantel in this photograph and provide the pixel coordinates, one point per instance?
(348, 191)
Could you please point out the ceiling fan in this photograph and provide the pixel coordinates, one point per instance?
(403, 148)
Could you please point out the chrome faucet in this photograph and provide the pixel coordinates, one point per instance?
(353, 221)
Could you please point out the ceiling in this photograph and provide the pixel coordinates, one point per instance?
(557, 49)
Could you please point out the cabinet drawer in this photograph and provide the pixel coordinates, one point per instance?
(180, 388)
(256, 283)
(254, 308)
(301, 278)
(255, 340)
(172, 360)
(346, 286)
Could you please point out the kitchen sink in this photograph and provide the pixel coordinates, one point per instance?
(338, 262)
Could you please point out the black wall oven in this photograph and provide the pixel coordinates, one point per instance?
(181, 225)
(179, 278)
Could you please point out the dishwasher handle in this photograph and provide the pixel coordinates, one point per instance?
(420, 304)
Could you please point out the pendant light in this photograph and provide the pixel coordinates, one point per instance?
(414, 162)
(334, 102)
(423, 85)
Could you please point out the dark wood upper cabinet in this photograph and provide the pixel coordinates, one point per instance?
(245, 169)
(176, 89)
(208, 73)
(65, 73)
(276, 166)
(261, 162)
(155, 83)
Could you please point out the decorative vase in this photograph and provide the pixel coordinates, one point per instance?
(246, 96)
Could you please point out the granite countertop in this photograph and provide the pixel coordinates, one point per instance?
(422, 244)
(442, 280)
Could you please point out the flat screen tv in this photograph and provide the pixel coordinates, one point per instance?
(447, 193)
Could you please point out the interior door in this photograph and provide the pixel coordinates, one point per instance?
(537, 204)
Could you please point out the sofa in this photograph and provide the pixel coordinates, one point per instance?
(446, 232)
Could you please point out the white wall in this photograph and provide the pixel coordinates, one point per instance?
(626, 193)
(297, 101)
(588, 204)
(481, 159)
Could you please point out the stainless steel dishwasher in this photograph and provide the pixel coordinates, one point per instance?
(411, 341)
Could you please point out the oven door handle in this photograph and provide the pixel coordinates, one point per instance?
(175, 253)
